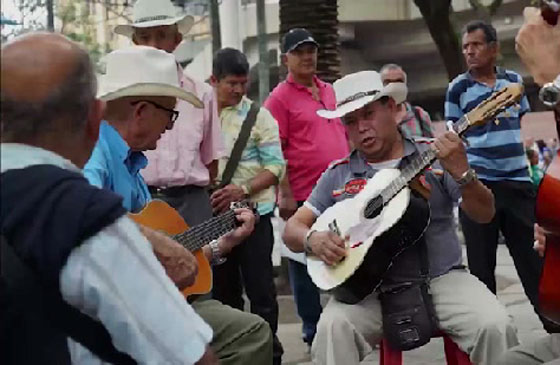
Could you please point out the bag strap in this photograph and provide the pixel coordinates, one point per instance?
(73, 323)
(239, 145)
(426, 131)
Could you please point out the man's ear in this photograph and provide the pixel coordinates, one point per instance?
(284, 59)
(213, 81)
(178, 39)
(94, 118)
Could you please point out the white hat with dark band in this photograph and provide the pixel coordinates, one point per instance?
(155, 13)
(359, 89)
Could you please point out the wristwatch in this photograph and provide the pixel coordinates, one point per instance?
(306, 243)
(246, 190)
(217, 258)
(468, 177)
(550, 93)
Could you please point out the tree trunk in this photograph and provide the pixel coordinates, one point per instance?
(436, 14)
(215, 26)
(320, 17)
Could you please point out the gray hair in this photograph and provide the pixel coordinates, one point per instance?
(392, 66)
(70, 101)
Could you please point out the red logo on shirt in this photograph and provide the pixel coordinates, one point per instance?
(353, 187)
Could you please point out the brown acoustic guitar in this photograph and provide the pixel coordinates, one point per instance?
(548, 216)
(158, 215)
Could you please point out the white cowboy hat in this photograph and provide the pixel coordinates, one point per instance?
(154, 13)
(142, 71)
(361, 88)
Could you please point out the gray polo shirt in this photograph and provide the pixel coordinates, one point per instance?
(345, 178)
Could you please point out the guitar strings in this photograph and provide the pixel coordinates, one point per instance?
(203, 233)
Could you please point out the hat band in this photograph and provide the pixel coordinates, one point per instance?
(356, 97)
(151, 18)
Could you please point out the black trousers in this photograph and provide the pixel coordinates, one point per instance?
(515, 217)
(249, 266)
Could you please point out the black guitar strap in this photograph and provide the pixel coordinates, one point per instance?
(239, 145)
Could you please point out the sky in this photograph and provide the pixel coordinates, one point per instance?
(11, 11)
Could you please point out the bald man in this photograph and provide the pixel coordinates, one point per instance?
(63, 240)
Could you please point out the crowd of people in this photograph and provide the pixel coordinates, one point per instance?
(83, 283)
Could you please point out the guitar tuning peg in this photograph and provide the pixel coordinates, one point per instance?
(496, 121)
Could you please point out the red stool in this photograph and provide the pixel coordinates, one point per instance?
(453, 354)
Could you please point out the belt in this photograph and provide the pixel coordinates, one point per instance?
(173, 191)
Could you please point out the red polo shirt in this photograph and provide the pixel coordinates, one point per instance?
(309, 143)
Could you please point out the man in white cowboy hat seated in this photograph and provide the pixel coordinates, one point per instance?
(185, 162)
(465, 309)
(141, 89)
(79, 272)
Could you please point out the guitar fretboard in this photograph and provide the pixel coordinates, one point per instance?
(203, 233)
(412, 169)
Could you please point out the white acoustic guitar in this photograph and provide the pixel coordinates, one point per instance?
(384, 218)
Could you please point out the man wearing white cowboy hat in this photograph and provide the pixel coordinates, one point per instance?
(471, 316)
(141, 89)
(186, 163)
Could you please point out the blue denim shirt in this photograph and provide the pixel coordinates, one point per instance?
(114, 166)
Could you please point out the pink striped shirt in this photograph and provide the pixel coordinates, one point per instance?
(183, 152)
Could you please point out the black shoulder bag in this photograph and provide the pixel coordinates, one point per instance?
(409, 319)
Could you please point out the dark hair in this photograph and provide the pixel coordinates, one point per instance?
(69, 101)
(488, 29)
(530, 153)
(229, 61)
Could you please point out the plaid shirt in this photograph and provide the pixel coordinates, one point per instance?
(413, 127)
(262, 152)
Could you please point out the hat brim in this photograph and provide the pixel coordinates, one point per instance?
(151, 89)
(184, 24)
(395, 90)
(305, 41)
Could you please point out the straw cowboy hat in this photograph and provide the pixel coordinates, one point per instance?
(154, 13)
(359, 89)
(142, 71)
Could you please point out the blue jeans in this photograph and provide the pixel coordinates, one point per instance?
(308, 300)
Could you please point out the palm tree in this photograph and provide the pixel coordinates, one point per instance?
(320, 17)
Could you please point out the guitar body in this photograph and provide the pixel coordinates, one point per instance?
(548, 217)
(159, 216)
(373, 243)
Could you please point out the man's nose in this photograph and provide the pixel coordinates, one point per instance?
(238, 89)
(363, 125)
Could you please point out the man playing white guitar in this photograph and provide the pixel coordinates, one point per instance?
(464, 308)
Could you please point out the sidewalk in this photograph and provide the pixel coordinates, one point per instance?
(510, 293)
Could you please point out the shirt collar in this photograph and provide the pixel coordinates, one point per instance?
(320, 84)
(19, 156)
(499, 71)
(360, 167)
(134, 160)
(242, 107)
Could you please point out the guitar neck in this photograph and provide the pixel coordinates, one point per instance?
(201, 234)
(419, 164)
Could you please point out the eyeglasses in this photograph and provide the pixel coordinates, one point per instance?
(173, 114)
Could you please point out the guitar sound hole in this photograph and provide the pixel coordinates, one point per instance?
(374, 207)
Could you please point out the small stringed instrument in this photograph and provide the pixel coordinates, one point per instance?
(548, 217)
(158, 215)
(383, 219)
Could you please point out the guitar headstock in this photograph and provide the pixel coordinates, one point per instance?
(495, 104)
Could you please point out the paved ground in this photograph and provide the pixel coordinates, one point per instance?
(510, 294)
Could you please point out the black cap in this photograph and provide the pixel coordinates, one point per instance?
(296, 37)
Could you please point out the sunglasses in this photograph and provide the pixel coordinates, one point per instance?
(173, 114)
